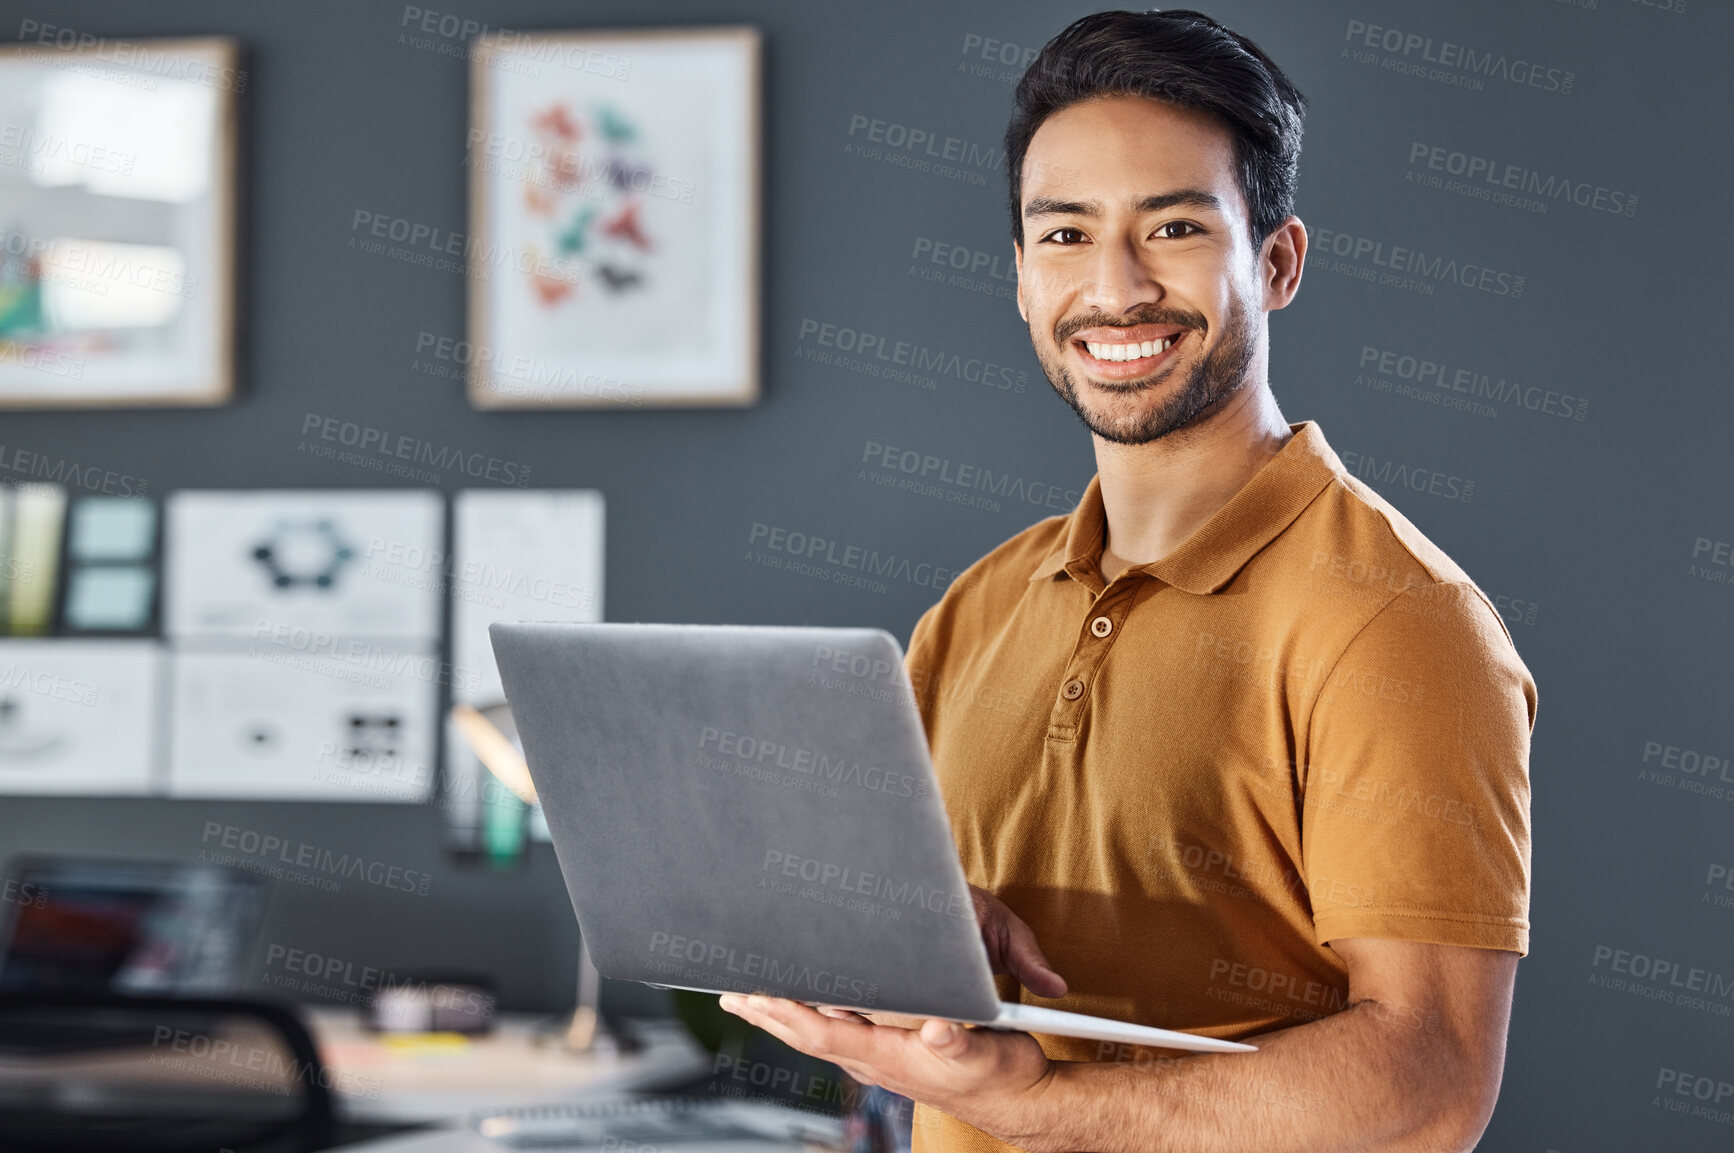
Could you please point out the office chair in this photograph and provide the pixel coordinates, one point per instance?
(89, 1072)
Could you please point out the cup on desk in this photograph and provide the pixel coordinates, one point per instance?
(434, 1005)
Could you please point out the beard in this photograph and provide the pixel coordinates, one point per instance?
(1145, 415)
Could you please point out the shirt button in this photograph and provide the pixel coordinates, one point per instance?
(1101, 626)
(1073, 690)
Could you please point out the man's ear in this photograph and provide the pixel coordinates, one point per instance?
(1018, 260)
(1280, 262)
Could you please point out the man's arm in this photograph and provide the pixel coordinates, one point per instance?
(1414, 1063)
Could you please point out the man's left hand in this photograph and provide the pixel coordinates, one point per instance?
(984, 1077)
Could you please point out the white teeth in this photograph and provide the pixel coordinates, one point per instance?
(1129, 350)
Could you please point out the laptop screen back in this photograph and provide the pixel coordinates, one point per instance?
(749, 809)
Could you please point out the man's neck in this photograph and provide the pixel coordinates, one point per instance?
(1157, 494)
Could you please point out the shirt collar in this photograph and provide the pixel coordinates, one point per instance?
(1208, 559)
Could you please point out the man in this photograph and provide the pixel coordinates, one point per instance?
(1241, 749)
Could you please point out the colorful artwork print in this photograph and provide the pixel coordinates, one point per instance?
(117, 196)
(584, 185)
(618, 211)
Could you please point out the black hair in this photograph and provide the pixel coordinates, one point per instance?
(1180, 57)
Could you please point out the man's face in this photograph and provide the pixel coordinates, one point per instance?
(1137, 275)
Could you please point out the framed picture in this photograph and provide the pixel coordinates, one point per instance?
(614, 219)
(117, 221)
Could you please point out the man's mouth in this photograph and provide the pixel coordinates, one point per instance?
(1128, 350)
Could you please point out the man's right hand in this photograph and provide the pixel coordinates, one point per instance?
(1011, 946)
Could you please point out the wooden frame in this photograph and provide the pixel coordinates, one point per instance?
(197, 368)
(551, 323)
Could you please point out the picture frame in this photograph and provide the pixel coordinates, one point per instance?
(118, 245)
(614, 232)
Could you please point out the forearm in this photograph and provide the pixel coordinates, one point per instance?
(1365, 1078)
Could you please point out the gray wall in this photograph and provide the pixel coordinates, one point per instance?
(1588, 528)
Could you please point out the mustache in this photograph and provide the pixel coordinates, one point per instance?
(1142, 314)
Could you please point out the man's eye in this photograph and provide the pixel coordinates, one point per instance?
(1176, 230)
(1066, 236)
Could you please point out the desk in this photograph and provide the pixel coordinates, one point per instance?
(460, 1140)
(379, 1080)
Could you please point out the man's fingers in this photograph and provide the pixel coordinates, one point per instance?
(946, 1038)
(831, 1034)
(1024, 960)
(1011, 946)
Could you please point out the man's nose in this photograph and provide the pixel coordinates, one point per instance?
(1120, 279)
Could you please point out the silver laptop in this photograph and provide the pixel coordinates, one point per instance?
(744, 809)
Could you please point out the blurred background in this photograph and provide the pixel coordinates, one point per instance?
(277, 445)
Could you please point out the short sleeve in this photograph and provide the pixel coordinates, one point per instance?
(1415, 806)
(920, 661)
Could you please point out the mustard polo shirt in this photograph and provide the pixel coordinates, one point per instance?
(1304, 723)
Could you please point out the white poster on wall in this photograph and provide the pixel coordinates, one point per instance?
(78, 716)
(516, 556)
(273, 721)
(262, 565)
(520, 556)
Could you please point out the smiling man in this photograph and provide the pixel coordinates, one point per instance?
(1231, 748)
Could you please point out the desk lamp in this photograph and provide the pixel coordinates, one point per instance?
(493, 737)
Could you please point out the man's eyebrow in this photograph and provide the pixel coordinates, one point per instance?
(1185, 197)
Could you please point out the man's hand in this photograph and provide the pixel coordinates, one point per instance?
(990, 1079)
(1011, 946)
(993, 1080)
